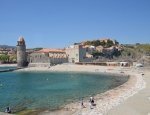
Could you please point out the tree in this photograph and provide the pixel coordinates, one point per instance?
(36, 49)
(103, 43)
(13, 58)
(96, 53)
(116, 42)
(87, 43)
(96, 43)
(109, 43)
(4, 58)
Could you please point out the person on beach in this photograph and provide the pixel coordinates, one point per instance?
(92, 100)
(8, 110)
(82, 105)
(90, 104)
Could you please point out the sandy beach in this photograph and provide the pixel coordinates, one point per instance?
(5, 65)
(139, 104)
(109, 102)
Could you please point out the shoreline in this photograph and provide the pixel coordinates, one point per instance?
(109, 99)
(105, 101)
(6, 65)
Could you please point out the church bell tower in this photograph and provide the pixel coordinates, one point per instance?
(21, 53)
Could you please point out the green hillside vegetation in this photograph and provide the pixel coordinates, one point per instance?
(4, 58)
(98, 43)
(135, 52)
(129, 52)
(36, 49)
(143, 48)
(96, 53)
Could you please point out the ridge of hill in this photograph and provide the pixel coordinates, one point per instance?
(7, 46)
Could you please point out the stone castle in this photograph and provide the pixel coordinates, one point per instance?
(49, 57)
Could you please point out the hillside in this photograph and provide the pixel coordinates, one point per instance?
(113, 51)
(101, 42)
(139, 53)
(7, 46)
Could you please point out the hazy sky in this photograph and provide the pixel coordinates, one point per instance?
(59, 23)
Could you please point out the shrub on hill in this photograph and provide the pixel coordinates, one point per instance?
(96, 43)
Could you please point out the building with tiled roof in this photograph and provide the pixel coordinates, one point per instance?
(48, 57)
(46, 50)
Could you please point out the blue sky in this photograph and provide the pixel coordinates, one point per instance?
(59, 23)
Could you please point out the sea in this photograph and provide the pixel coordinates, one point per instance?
(51, 90)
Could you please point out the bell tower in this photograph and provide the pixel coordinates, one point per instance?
(21, 53)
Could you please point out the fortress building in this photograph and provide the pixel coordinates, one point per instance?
(47, 57)
(77, 53)
(21, 53)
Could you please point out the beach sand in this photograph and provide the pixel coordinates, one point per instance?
(131, 98)
(139, 104)
(5, 65)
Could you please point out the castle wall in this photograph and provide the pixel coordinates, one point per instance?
(46, 59)
(76, 53)
(82, 54)
(39, 65)
(39, 58)
(73, 54)
(54, 61)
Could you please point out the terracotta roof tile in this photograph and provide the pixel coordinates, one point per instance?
(51, 51)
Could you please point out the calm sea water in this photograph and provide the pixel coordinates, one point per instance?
(51, 90)
(7, 67)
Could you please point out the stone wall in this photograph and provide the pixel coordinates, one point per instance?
(43, 60)
(39, 65)
(39, 58)
(54, 61)
(21, 56)
(76, 53)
